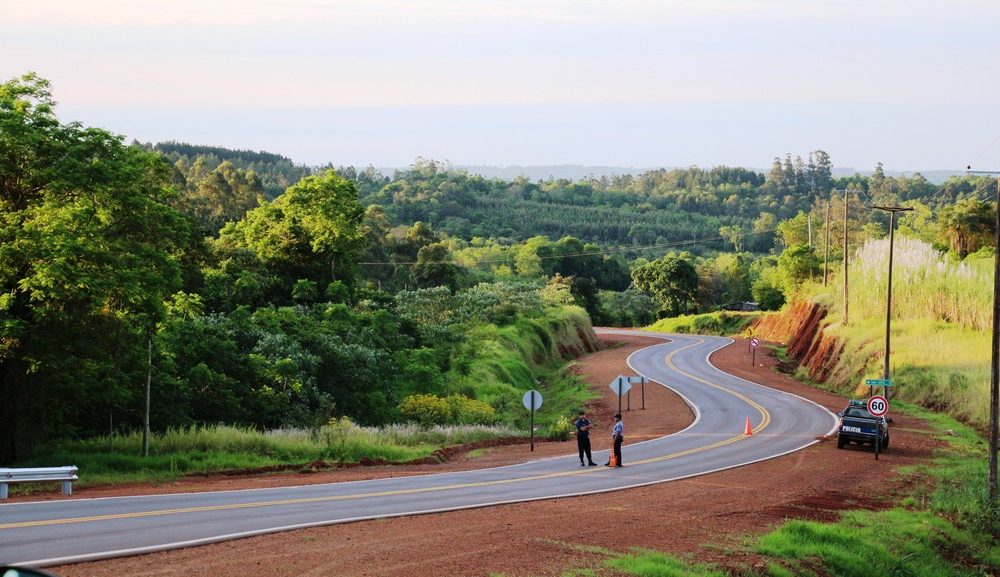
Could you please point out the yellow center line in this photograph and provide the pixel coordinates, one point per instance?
(766, 419)
(765, 416)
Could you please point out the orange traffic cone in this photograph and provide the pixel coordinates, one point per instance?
(612, 459)
(748, 430)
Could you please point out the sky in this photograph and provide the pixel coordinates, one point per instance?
(914, 84)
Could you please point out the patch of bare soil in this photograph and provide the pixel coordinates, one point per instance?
(703, 518)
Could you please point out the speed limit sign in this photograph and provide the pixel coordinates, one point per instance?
(878, 405)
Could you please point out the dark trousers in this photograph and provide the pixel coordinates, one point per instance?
(583, 443)
(618, 450)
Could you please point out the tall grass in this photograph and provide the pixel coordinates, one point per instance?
(940, 317)
(926, 284)
(938, 365)
(117, 460)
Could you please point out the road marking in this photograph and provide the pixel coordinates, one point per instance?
(766, 419)
(765, 416)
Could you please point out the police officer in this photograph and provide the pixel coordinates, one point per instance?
(583, 427)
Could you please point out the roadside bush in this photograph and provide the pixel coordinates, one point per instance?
(335, 435)
(466, 411)
(560, 430)
(706, 325)
(427, 410)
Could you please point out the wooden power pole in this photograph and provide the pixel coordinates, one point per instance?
(995, 356)
(847, 200)
(826, 254)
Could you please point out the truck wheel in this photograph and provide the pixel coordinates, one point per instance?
(840, 442)
(885, 442)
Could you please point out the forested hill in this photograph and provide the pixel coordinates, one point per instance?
(276, 172)
(694, 208)
(656, 207)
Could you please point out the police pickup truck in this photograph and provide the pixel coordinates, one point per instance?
(859, 426)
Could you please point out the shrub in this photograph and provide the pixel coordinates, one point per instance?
(560, 430)
(706, 325)
(335, 435)
(466, 411)
(427, 410)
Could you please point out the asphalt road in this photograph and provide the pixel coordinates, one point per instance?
(65, 531)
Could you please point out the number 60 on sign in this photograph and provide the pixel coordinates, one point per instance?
(878, 405)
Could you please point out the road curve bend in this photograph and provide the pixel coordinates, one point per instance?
(69, 531)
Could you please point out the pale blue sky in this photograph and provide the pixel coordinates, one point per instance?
(914, 84)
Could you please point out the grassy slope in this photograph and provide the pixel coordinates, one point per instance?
(507, 362)
(944, 527)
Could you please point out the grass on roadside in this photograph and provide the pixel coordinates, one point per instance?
(718, 323)
(655, 564)
(942, 528)
(178, 452)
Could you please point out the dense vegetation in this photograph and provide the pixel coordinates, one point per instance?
(251, 291)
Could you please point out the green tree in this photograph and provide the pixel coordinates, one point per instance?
(312, 231)
(671, 281)
(434, 267)
(629, 308)
(798, 264)
(88, 255)
(968, 225)
(795, 231)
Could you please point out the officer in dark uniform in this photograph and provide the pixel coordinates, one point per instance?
(583, 427)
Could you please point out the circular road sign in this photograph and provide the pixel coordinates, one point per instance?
(527, 399)
(878, 405)
(754, 342)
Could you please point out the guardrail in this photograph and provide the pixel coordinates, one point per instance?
(64, 475)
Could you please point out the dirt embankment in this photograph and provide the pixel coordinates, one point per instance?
(801, 328)
(705, 518)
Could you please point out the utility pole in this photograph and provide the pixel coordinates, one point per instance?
(892, 210)
(149, 381)
(826, 255)
(847, 192)
(995, 353)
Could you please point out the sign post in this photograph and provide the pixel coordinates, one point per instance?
(620, 386)
(884, 383)
(754, 343)
(532, 401)
(749, 334)
(642, 383)
(878, 406)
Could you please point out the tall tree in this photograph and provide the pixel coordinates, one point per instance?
(671, 281)
(435, 268)
(313, 231)
(88, 247)
(968, 225)
(820, 172)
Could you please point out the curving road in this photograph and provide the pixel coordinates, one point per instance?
(66, 531)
